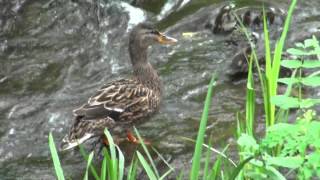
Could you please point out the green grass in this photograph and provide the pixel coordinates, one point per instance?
(55, 158)
(194, 174)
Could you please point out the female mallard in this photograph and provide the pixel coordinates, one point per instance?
(120, 104)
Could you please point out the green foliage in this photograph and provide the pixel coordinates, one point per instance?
(112, 166)
(285, 146)
(309, 47)
(298, 145)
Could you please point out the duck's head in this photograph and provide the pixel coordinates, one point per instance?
(145, 34)
(141, 37)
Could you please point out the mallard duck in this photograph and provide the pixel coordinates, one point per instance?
(120, 104)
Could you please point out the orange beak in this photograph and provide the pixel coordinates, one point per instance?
(163, 39)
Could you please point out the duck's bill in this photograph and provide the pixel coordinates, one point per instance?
(163, 39)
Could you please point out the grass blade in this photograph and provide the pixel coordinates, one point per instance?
(165, 174)
(200, 138)
(88, 165)
(207, 160)
(277, 60)
(109, 163)
(132, 169)
(147, 152)
(121, 164)
(215, 169)
(55, 158)
(146, 167)
(217, 166)
(180, 177)
(92, 168)
(113, 156)
(240, 167)
(171, 169)
(213, 150)
(250, 100)
(104, 168)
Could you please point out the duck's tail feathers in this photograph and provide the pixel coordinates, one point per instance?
(68, 143)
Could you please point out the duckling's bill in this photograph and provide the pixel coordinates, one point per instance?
(164, 39)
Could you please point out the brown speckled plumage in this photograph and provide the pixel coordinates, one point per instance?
(122, 103)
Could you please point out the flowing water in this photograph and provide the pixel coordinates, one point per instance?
(54, 54)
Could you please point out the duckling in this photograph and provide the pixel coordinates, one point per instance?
(251, 17)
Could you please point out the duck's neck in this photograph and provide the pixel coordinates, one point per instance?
(143, 70)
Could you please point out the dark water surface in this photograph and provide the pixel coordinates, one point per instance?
(55, 54)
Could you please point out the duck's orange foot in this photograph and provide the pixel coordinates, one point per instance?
(105, 141)
(133, 139)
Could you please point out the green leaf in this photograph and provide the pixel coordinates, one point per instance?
(275, 173)
(240, 167)
(285, 102)
(113, 156)
(132, 169)
(164, 176)
(288, 81)
(295, 51)
(207, 160)
(291, 63)
(298, 52)
(121, 164)
(288, 162)
(306, 103)
(311, 64)
(248, 141)
(147, 152)
(216, 169)
(194, 174)
(312, 81)
(250, 100)
(55, 158)
(88, 165)
(104, 168)
(146, 167)
(300, 45)
(85, 156)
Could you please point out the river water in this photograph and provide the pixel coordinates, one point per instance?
(54, 54)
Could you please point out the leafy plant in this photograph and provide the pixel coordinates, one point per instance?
(308, 48)
(297, 145)
(300, 141)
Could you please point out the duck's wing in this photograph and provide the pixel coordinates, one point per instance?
(118, 103)
(122, 100)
